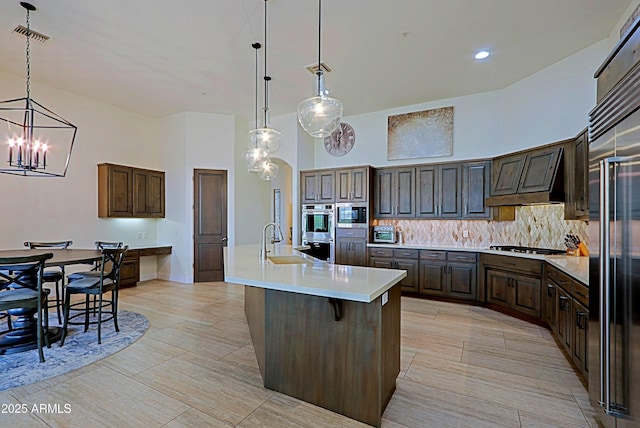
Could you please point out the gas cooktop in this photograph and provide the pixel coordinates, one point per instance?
(527, 250)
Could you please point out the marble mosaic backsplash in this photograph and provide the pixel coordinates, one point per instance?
(541, 226)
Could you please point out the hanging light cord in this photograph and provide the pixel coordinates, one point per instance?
(28, 55)
(266, 76)
(319, 33)
(256, 46)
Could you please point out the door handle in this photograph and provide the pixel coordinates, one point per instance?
(224, 239)
(562, 301)
(603, 283)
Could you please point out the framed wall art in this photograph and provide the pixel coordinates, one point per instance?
(420, 134)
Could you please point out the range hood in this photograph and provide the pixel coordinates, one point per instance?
(529, 177)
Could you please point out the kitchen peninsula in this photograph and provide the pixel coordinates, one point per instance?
(324, 333)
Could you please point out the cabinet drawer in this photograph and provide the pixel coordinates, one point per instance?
(560, 278)
(460, 256)
(581, 293)
(405, 254)
(351, 232)
(513, 263)
(380, 252)
(433, 255)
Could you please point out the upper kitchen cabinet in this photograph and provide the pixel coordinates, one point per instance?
(576, 178)
(394, 193)
(124, 191)
(148, 193)
(476, 185)
(317, 186)
(352, 184)
(528, 177)
(438, 190)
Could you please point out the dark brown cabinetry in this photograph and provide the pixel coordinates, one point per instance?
(476, 184)
(576, 178)
(513, 284)
(130, 269)
(396, 258)
(570, 324)
(449, 274)
(352, 185)
(125, 191)
(438, 191)
(317, 186)
(351, 247)
(394, 193)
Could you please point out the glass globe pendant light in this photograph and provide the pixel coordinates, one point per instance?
(320, 115)
(268, 170)
(256, 155)
(266, 138)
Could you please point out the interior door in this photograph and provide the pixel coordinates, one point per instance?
(209, 223)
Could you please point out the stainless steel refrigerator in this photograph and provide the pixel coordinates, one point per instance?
(614, 238)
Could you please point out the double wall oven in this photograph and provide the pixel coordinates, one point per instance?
(318, 230)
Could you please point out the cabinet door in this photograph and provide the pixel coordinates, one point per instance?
(539, 170)
(427, 191)
(581, 180)
(475, 189)
(580, 334)
(155, 194)
(384, 203)
(551, 309)
(120, 190)
(410, 282)
(140, 188)
(432, 277)
(381, 263)
(405, 192)
(342, 250)
(326, 182)
(462, 280)
(498, 287)
(506, 174)
(360, 184)
(449, 188)
(130, 269)
(343, 185)
(564, 319)
(309, 183)
(526, 294)
(359, 252)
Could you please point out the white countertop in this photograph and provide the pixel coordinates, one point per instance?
(243, 266)
(577, 267)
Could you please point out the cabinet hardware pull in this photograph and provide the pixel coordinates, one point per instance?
(549, 288)
(562, 301)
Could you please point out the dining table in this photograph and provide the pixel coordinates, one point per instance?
(23, 334)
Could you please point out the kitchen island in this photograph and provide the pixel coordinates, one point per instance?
(326, 334)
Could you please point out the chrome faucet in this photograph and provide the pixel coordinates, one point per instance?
(263, 242)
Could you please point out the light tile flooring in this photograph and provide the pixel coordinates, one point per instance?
(462, 366)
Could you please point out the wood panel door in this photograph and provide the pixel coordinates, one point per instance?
(155, 194)
(463, 280)
(506, 174)
(527, 295)
(384, 203)
(539, 170)
(432, 277)
(449, 191)
(427, 191)
(121, 195)
(210, 224)
(476, 184)
(405, 189)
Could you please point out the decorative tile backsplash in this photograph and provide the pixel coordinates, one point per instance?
(541, 226)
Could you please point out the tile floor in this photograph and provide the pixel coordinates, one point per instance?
(462, 366)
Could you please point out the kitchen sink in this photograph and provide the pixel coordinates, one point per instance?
(288, 260)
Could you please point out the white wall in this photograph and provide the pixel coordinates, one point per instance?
(192, 141)
(54, 209)
(548, 106)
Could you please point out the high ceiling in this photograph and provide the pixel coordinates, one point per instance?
(160, 57)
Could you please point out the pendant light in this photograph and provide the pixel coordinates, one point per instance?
(255, 156)
(320, 115)
(265, 137)
(32, 131)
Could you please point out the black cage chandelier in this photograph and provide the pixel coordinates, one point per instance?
(39, 141)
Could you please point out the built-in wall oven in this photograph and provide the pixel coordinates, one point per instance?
(352, 214)
(318, 230)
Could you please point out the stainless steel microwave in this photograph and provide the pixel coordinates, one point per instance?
(352, 215)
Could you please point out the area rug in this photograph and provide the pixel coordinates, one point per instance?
(80, 349)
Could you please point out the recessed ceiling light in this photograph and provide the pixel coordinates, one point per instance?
(482, 55)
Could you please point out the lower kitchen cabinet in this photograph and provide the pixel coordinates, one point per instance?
(513, 283)
(571, 316)
(449, 274)
(397, 258)
(351, 247)
(130, 269)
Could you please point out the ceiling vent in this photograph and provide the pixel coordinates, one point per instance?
(23, 31)
(313, 68)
